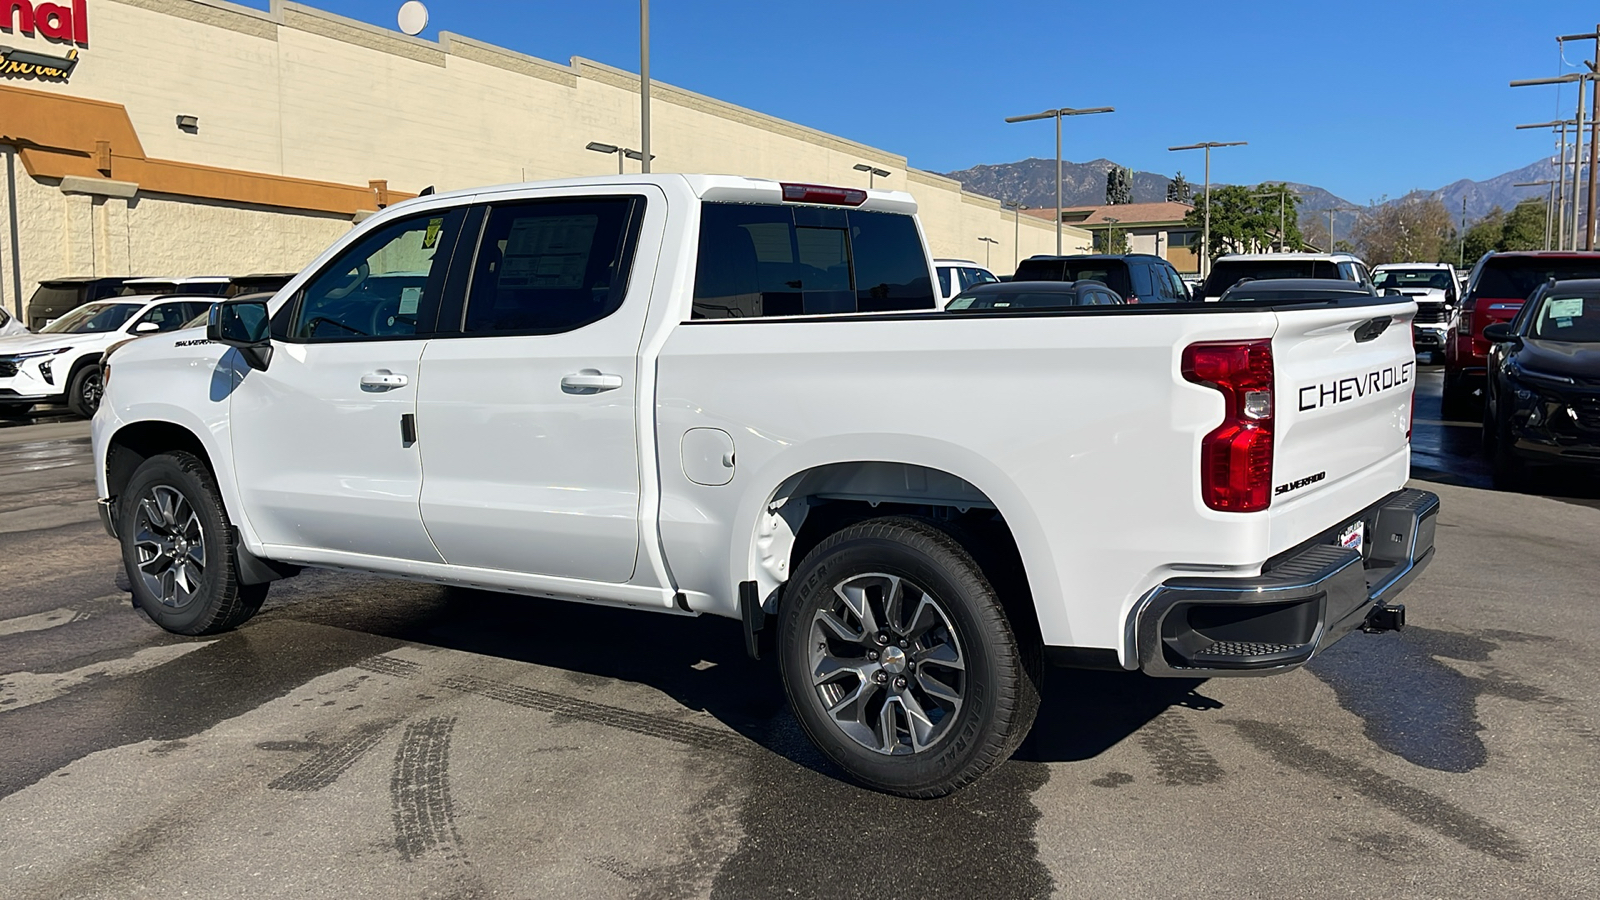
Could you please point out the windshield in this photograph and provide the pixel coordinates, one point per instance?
(1514, 278)
(1226, 273)
(92, 319)
(1430, 279)
(1572, 319)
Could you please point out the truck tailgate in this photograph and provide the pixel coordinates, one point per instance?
(1343, 380)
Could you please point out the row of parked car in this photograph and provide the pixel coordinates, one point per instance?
(73, 322)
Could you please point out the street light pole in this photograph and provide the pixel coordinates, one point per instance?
(1205, 237)
(1057, 114)
(644, 87)
(988, 243)
(1016, 233)
(872, 171)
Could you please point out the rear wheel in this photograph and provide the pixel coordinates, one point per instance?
(177, 548)
(84, 391)
(899, 661)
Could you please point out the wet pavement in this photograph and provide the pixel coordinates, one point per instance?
(367, 738)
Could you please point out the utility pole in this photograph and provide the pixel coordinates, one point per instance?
(1582, 78)
(1283, 206)
(1205, 235)
(1057, 114)
(1560, 172)
(1337, 209)
(1594, 129)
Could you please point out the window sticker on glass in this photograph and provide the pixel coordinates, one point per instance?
(410, 298)
(548, 252)
(431, 236)
(1566, 309)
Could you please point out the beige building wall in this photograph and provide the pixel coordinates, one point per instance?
(299, 92)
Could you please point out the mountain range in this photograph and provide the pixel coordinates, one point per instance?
(1032, 181)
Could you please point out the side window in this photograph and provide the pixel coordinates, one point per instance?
(760, 260)
(1180, 293)
(891, 266)
(166, 316)
(551, 266)
(1362, 275)
(1161, 288)
(382, 286)
(944, 280)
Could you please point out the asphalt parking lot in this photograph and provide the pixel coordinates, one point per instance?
(363, 738)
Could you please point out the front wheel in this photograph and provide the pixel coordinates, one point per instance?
(84, 391)
(899, 661)
(178, 548)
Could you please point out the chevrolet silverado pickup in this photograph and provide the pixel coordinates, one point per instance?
(714, 395)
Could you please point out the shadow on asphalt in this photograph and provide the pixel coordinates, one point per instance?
(701, 663)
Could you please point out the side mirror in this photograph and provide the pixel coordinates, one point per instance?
(146, 328)
(1500, 333)
(243, 324)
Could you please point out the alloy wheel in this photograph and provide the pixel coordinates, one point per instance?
(886, 664)
(169, 542)
(91, 391)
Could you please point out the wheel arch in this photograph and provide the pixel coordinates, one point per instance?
(132, 443)
(803, 503)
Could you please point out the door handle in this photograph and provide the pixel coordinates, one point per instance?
(590, 381)
(383, 380)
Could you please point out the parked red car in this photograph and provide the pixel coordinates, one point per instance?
(1499, 284)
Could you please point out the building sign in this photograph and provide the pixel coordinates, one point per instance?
(16, 63)
(52, 21)
(62, 23)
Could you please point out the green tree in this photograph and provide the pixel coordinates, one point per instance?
(1111, 239)
(1245, 219)
(1119, 185)
(1179, 190)
(1524, 227)
(1484, 235)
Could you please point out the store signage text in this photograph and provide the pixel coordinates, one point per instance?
(55, 21)
(27, 64)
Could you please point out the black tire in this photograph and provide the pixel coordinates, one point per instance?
(83, 391)
(172, 501)
(1456, 403)
(997, 686)
(1508, 471)
(14, 410)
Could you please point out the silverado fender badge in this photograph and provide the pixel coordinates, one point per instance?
(1297, 485)
(195, 343)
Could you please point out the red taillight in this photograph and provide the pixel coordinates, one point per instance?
(821, 193)
(1236, 457)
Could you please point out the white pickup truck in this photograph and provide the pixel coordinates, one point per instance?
(731, 396)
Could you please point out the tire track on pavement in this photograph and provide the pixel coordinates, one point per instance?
(419, 791)
(328, 763)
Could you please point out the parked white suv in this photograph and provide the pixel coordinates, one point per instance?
(62, 362)
(1232, 268)
(1435, 288)
(729, 396)
(956, 275)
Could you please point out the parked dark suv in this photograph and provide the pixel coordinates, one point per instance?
(1136, 277)
(1542, 392)
(57, 297)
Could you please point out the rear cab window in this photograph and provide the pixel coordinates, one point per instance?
(759, 260)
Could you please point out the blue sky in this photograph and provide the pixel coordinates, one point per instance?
(1364, 98)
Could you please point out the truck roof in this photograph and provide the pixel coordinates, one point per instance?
(716, 188)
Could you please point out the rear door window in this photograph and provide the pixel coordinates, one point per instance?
(761, 260)
(549, 266)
